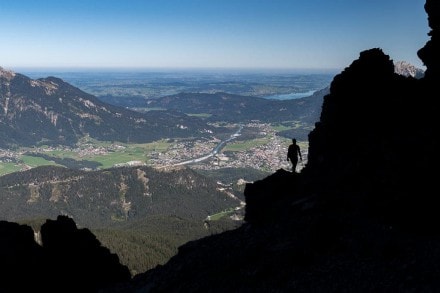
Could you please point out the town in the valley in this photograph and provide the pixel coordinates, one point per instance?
(267, 153)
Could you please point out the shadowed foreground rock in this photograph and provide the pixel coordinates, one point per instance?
(70, 259)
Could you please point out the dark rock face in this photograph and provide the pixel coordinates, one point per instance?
(21, 258)
(428, 53)
(361, 216)
(86, 265)
(359, 105)
(376, 138)
(273, 189)
(70, 259)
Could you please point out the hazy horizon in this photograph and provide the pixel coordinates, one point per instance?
(283, 35)
(229, 70)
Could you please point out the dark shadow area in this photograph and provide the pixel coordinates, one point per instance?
(69, 259)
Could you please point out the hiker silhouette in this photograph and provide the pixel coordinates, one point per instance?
(293, 153)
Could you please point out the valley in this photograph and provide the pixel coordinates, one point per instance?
(221, 101)
(147, 172)
(261, 149)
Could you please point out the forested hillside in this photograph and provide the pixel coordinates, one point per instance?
(101, 198)
(140, 213)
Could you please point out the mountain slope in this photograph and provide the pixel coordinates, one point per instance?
(51, 111)
(140, 213)
(106, 198)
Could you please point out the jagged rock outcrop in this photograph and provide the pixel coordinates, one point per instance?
(428, 54)
(69, 260)
(86, 264)
(274, 189)
(22, 259)
(360, 217)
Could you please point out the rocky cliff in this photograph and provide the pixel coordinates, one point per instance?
(361, 216)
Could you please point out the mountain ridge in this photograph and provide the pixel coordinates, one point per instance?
(236, 108)
(51, 111)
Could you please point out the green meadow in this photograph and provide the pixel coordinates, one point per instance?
(124, 154)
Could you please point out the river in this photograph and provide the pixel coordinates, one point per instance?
(215, 150)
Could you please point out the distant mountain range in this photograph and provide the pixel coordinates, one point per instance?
(51, 111)
(235, 108)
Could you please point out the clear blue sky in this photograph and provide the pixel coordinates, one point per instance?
(207, 33)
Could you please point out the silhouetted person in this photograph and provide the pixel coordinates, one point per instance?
(293, 153)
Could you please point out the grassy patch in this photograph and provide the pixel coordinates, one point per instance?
(279, 127)
(245, 145)
(158, 146)
(6, 168)
(129, 152)
(62, 154)
(221, 215)
(36, 161)
(146, 109)
(109, 160)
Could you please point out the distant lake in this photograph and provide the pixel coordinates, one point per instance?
(291, 96)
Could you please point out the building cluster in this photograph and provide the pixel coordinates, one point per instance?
(182, 151)
(7, 156)
(269, 154)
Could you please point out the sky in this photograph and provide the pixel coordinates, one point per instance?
(259, 34)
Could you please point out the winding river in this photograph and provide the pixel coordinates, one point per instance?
(215, 150)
